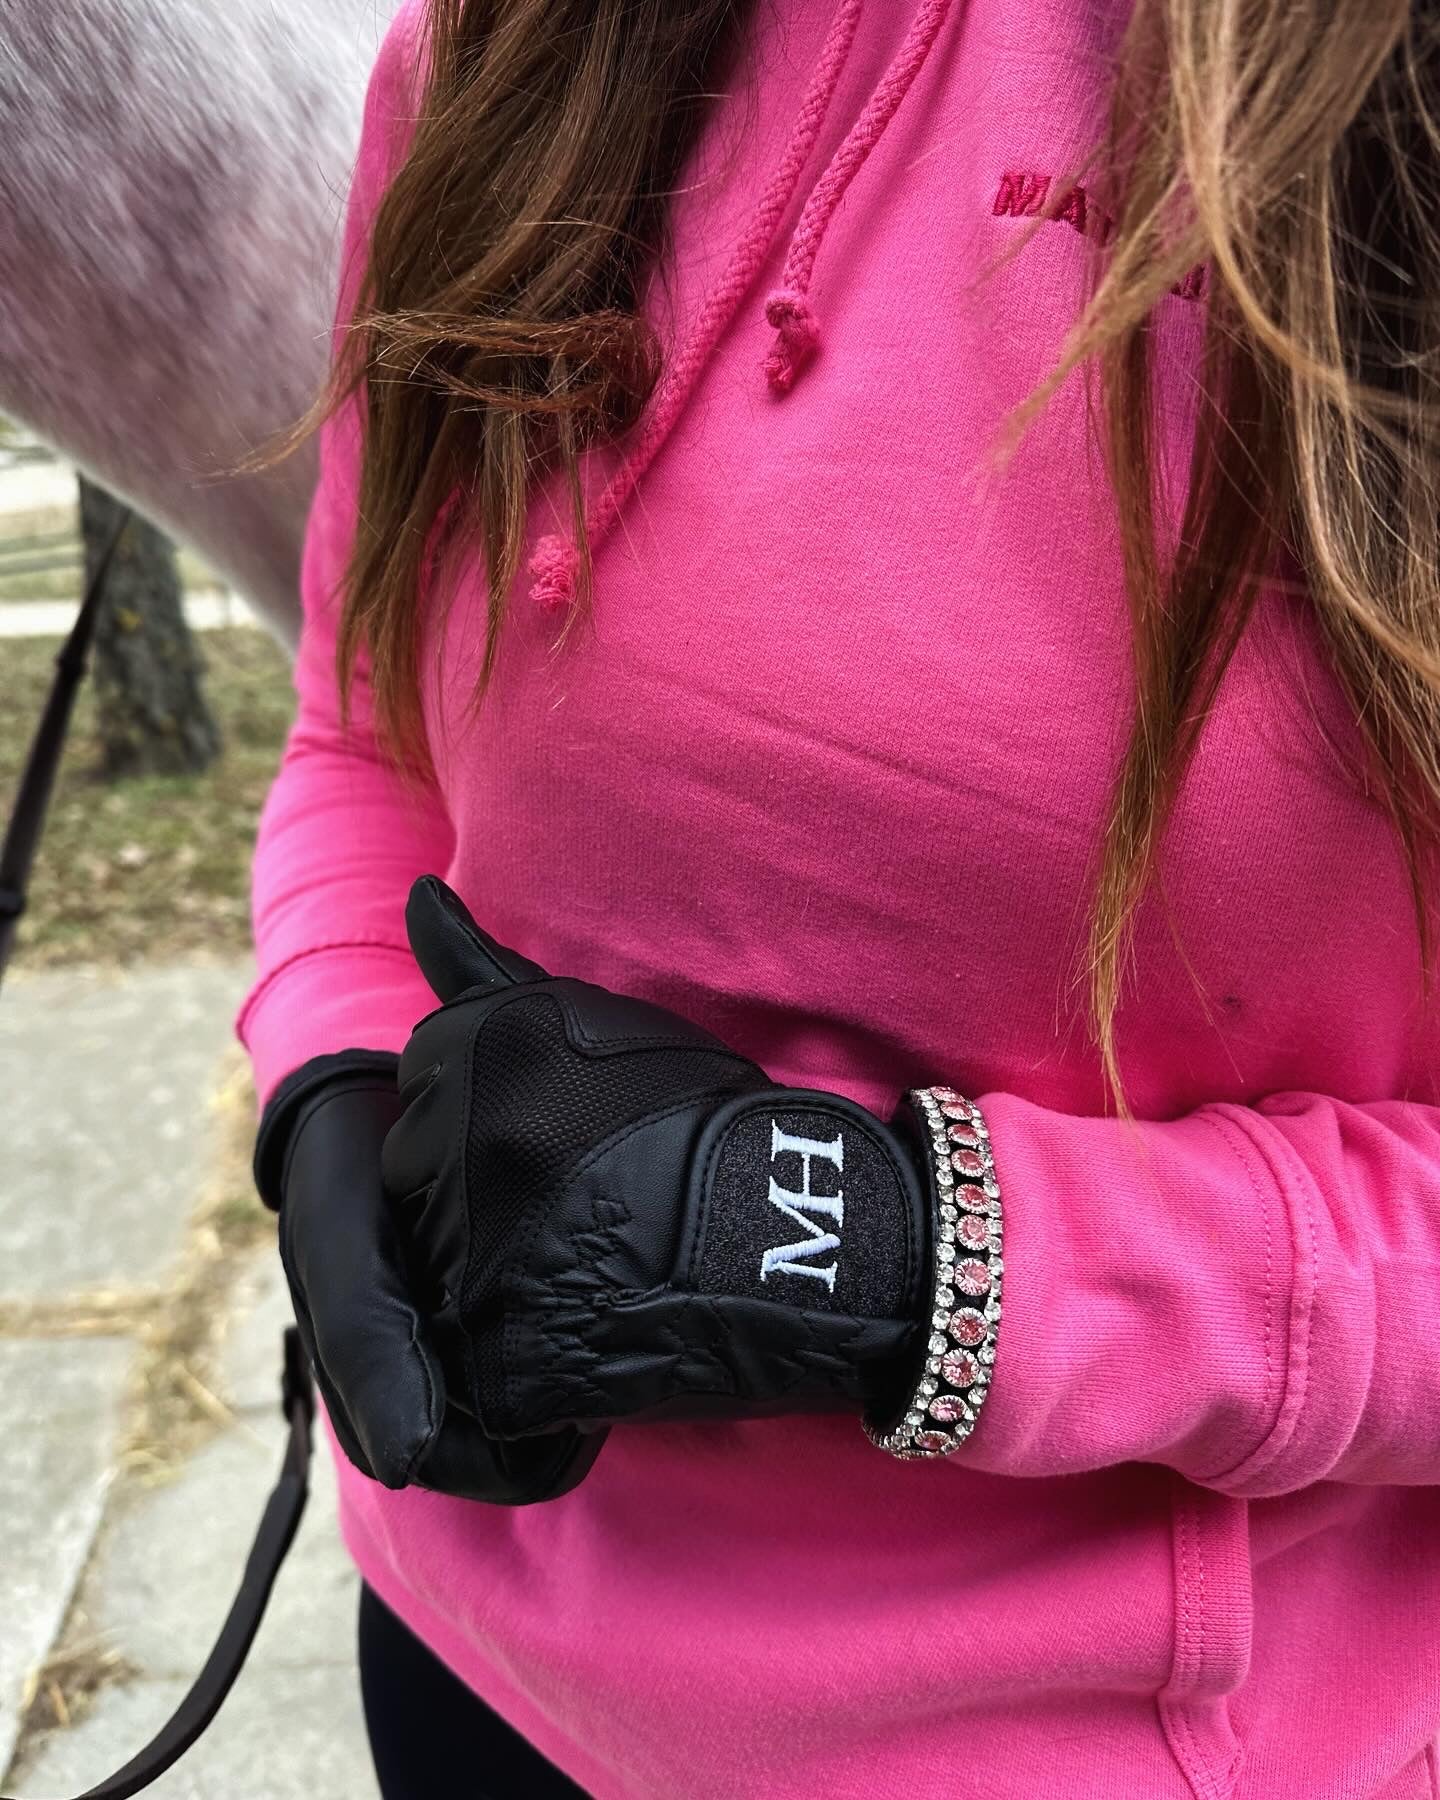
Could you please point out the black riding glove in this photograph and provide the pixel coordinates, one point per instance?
(618, 1218)
(357, 1297)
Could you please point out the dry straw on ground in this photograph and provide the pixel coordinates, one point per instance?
(62, 1689)
(174, 1407)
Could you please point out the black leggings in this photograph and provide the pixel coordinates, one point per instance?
(432, 1737)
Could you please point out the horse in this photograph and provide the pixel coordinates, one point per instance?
(171, 199)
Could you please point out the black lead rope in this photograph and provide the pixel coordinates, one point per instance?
(283, 1510)
(32, 798)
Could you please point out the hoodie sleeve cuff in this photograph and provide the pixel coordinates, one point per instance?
(329, 998)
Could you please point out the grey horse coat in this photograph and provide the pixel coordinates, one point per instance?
(170, 209)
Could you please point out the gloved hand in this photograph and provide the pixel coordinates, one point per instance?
(619, 1218)
(358, 1300)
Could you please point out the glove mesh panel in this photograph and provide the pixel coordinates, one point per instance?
(558, 1104)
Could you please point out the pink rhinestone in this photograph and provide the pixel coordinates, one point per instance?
(944, 1093)
(933, 1440)
(970, 1194)
(967, 1326)
(974, 1230)
(947, 1408)
(962, 1134)
(968, 1162)
(972, 1277)
(960, 1369)
(955, 1109)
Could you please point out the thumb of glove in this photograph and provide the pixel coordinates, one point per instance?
(454, 954)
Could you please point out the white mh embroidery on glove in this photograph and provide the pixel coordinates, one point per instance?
(818, 1241)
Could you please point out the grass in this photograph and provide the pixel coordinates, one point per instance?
(156, 867)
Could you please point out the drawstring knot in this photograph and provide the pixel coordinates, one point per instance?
(797, 332)
(788, 309)
(554, 565)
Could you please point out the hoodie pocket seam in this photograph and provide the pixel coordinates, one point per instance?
(1193, 1706)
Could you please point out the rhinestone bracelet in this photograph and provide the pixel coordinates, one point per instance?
(964, 1291)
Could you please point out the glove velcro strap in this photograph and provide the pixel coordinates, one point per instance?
(806, 1199)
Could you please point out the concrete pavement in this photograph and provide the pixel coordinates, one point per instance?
(114, 1583)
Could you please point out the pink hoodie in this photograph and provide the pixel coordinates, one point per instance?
(827, 775)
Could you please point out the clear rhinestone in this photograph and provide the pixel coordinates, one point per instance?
(937, 1343)
(914, 1418)
(948, 1213)
(933, 1364)
(927, 1387)
(946, 1253)
(945, 1296)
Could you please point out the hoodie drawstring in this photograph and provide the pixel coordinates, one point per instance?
(788, 309)
(555, 561)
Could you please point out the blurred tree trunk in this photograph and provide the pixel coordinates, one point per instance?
(154, 718)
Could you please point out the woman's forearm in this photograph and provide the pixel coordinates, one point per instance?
(1244, 1293)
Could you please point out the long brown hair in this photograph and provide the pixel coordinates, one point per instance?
(1290, 147)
